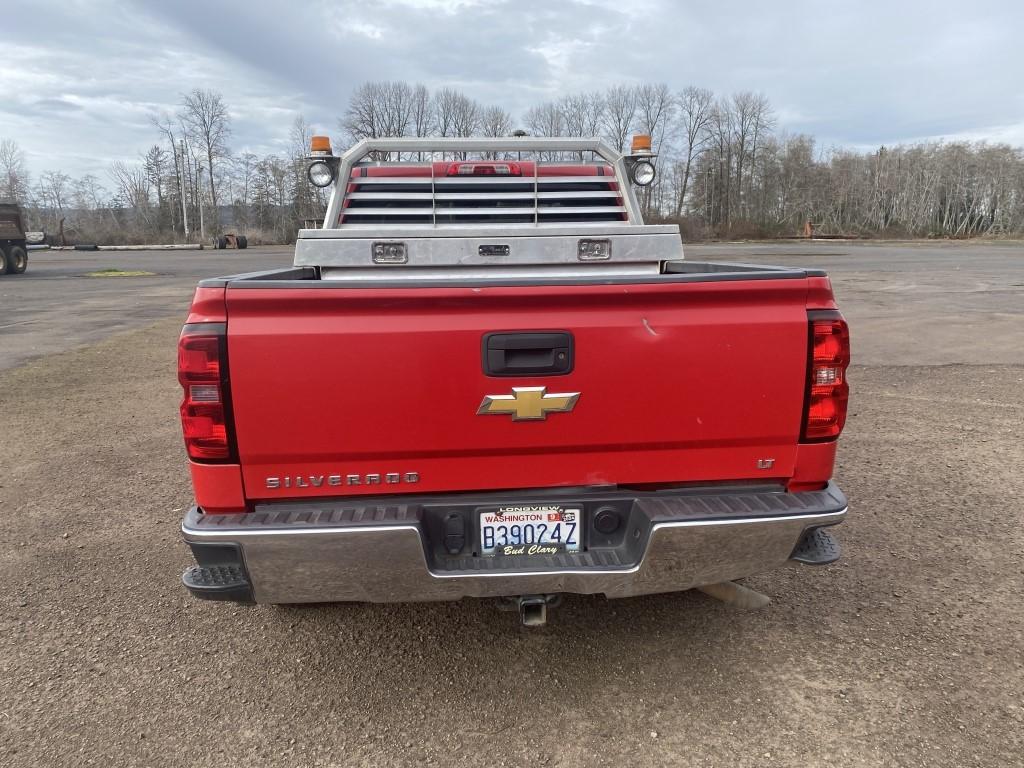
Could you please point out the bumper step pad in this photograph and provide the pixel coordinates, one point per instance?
(218, 582)
(817, 547)
(387, 550)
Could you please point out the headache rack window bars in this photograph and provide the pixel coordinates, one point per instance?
(423, 193)
(415, 193)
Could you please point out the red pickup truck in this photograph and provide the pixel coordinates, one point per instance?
(486, 376)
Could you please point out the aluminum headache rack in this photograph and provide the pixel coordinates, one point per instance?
(499, 208)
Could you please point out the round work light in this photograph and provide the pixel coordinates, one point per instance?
(642, 172)
(320, 174)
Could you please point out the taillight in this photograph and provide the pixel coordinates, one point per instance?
(827, 390)
(202, 371)
(485, 169)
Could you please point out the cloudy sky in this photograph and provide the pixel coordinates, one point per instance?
(80, 80)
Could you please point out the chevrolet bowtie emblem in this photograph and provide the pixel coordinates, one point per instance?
(529, 403)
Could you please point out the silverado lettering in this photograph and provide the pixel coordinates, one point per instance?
(590, 411)
(316, 481)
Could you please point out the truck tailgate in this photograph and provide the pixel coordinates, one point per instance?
(340, 390)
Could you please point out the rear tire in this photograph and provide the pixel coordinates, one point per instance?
(3, 261)
(242, 242)
(17, 260)
(222, 243)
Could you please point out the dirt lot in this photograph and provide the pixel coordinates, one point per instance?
(907, 652)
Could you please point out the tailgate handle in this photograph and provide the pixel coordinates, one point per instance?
(529, 353)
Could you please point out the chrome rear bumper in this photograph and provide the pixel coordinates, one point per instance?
(381, 551)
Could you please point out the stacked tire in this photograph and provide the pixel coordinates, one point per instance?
(13, 260)
(221, 242)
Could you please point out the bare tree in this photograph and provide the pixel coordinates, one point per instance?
(695, 105)
(456, 114)
(270, 193)
(299, 138)
(308, 201)
(495, 122)
(53, 192)
(619, 114)
(133, 189)
(655, 110)
(362, 119)
(752, 116)
(422, 111)
(718, 174)
(445, 105)
(14, 178)
(655, 107)
(86, 193)
(581, 115)
(154, 162)
(245, 169)
(167, 128)
(467, 116)
(546, 120)
(398, 107)
(593, 113)
(206, 118)
(572, 111)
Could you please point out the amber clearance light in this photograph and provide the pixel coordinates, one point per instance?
(641, 143)
(320, 145)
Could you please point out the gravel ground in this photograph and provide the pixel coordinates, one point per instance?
(907, 652)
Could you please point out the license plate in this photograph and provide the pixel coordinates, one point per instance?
(530, 530)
